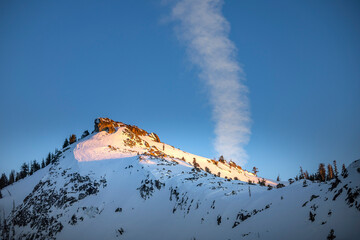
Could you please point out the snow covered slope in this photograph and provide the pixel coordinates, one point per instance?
(124, 183)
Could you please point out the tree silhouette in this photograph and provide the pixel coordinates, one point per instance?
(330, 172)
(322, 172)
(66, 143)
(255, 170)
(3, 181)
(85, 134)
(222, 159)
(335, 168)
(12, 177)
(24, 170)
(72, 138)
(344, 171)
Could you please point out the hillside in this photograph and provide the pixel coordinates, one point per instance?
(121, 182)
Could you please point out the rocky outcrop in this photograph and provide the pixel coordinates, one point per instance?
(136, 130)
(155, 137)
(106, 124)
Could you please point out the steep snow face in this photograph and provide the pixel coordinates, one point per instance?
(123, 186)
(142, 197)
(129, 141)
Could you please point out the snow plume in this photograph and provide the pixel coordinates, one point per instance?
(205, 32)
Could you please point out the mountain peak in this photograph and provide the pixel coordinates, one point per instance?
(102, 186)
(110, 126)
(106, 124)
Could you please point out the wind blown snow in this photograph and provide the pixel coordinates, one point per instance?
(205, 31)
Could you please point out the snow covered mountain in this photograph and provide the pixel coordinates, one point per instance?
(121, 182)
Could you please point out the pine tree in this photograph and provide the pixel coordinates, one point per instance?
(0, 194)
(344, 171)
(12, 177)
(330, 172)
(335, 169)
(24, 170)
(262, 182)
(301, 173)
(222, 159)
(255, 170)
(72, 138)
(34, 166)
(322, 172)
(85, 134)
(42, 163)
(3, 181)
(66, 143)
(48, 158)
(306, 175)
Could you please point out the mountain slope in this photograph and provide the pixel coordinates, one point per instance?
(124, 183)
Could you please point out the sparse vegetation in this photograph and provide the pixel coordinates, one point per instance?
(72, 138)
(255, 170)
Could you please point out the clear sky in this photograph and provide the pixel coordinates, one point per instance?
(64, 63)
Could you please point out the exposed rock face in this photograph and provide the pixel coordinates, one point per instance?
(136, 130)
(106, 124)
(155, 137)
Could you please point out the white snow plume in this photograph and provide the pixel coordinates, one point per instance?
(205, 32)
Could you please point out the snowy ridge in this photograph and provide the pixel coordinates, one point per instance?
(125, 143)
(107, 187)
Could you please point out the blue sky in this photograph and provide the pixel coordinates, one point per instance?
(62, 64)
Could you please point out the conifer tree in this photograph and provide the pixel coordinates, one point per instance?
(12, 177)
(72, 138)
(344, 171)
(24, 170)
(42, 163)
(3, 181)
(48, 158)
(335, 168)
(17, 177)
(330, 172)
(34, 166)
(322, 172)
(255, 170)
(85, 134)
(306, 175)
(301, 173)
(66, 143)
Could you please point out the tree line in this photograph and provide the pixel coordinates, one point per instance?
(323, 173)
(28, 169)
